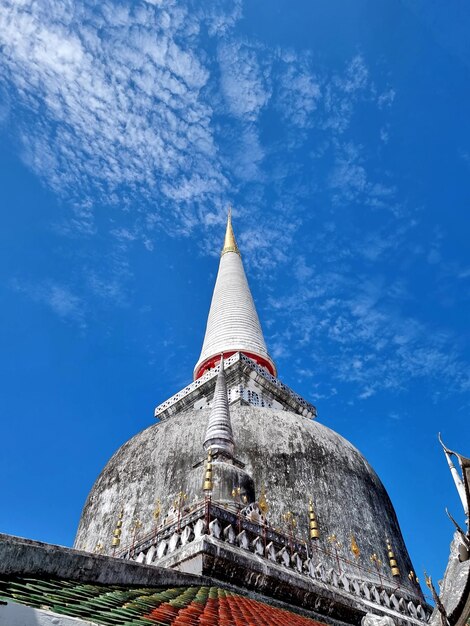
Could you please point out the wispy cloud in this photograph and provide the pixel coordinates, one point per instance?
(360, 336)
(350, 181)
(245, 83)
(59, 298)
(116, 101)
(151, 116)
(298, 90)
(342, 93)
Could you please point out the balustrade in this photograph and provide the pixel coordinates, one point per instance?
(287, 550)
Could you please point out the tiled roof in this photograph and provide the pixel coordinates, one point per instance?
(121, 606)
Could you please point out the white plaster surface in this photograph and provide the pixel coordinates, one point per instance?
(233, 322)
(13, 614)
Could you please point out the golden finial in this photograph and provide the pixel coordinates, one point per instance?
(392, 560)
(289, 518)
(428, 581)
(117, 531)
(158, 509)
(180, 500)
(230, 243)
(262, 502)
(412, 576)
(314, 533)
(355, 548)
(208, 486)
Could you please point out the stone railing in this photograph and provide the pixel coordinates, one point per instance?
(323, 566)
(300, 405)
(208, 374)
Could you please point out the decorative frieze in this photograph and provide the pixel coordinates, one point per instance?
(246, 382)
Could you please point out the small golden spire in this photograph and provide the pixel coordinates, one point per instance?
(230, 243)
(412, 576)
(392, 560)
(314, 533)
(208, 486)
(290, 520)
(428, 580)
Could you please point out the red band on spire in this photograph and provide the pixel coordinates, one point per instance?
(212, 361)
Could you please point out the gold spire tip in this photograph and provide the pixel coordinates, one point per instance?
(230, 243)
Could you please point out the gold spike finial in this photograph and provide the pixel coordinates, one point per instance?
(230, 243)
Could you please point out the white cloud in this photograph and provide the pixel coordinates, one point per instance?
(386, 98)
(349, 180)
(244, 83)
(59, 298)
(355, 329)
(121, 106)
(367, 393)
(298, 92)
(115, 100)
(343, 91)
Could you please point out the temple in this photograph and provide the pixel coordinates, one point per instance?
(237, 506)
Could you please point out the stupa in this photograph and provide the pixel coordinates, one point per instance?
(237, 479)
(237, 507)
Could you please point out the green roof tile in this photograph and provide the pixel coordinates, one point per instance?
(120, 606)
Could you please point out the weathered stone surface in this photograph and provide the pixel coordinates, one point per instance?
(293, 457)
(215, 529)
(225, 478)
(199, 528)
(23, 557)
(377, 620)
(455, 588)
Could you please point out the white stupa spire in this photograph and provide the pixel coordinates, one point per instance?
(233, 324)
(219, 435)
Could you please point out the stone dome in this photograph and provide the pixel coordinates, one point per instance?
(292, 457)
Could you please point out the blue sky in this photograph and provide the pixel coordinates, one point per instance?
(339, 131)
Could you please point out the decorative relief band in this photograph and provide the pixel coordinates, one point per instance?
(278, 396)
